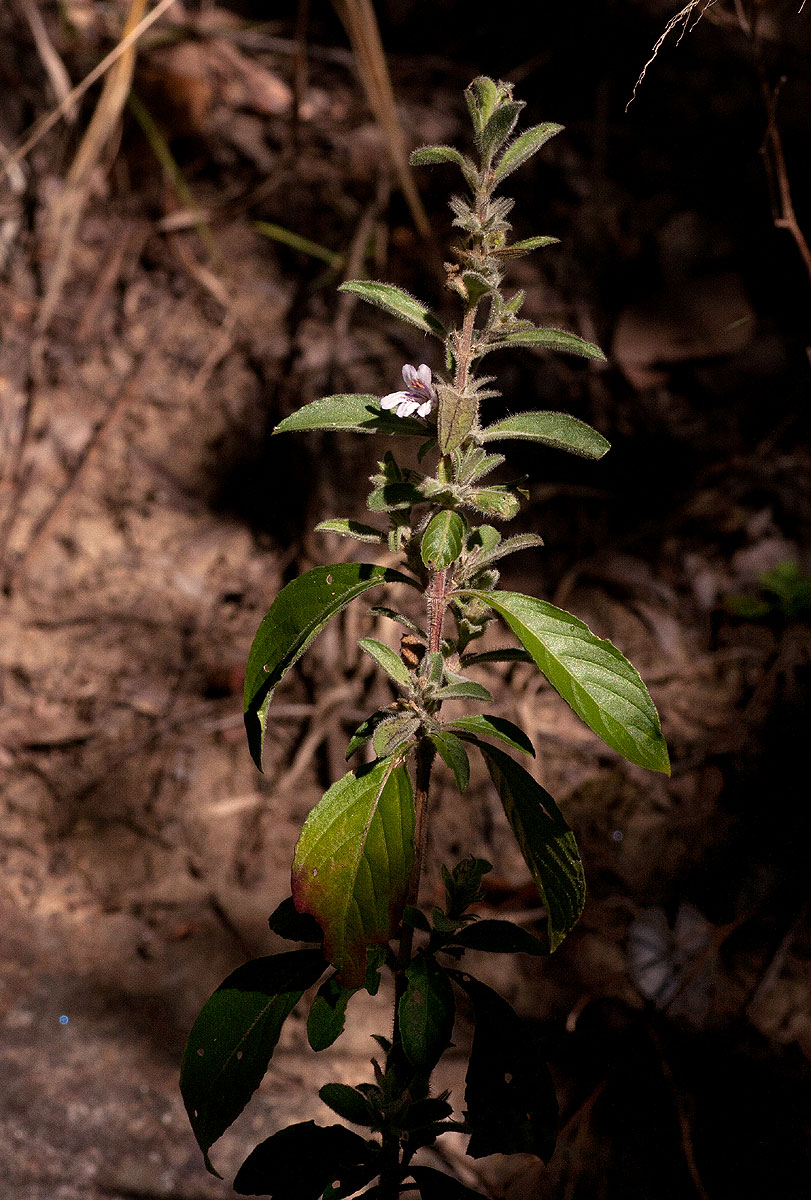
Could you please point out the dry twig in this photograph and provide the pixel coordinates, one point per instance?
(43, 126)
(71, 204)
(784, 215)
(683, 1118)
(682, 18)
(54, 67)
(358, 17)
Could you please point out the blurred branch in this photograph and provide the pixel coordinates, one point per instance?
(54, 67)
(43, 126)
(301, 68)
(295, 241)
(683, 1117)
(784, 216)
(774, 157)
(360, 22)
(68, 210)
(70, 205)
(172, 172)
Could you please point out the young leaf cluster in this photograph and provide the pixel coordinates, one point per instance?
(355, 902)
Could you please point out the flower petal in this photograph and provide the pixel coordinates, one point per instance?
(407, 407)
(394, 398)
(424, 376)
(425, 409)
(410, 375)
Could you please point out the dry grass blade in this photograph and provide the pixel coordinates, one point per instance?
(172, 172)
(40, 128)
(358, 18)
(69, 208)
(54, 67)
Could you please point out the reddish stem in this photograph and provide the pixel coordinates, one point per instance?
(436, 596)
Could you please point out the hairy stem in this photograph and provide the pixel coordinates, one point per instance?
(390, 1174)
(425, 760)
(435, 596)
(389, 1186)
(463, 355)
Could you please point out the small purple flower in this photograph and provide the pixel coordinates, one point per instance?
(419, 395)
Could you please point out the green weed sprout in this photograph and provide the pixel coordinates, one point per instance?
(357, 865)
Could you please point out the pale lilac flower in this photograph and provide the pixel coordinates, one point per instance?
(419, 395)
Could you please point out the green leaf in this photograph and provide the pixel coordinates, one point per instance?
(506, 654)
(516, 302)
(426, 446)
(444, 924)
(524, 146)
(465, 690)
(475, 464)
(388, 660)
(297, 615)
(354, 529)
(495, 727)
(552, 339)
(375, 958)
(416, 919)
(442, 540)
(453, 754)
(790, 585)
(355, 413)
(560, 430)
(436, 1185)
(477, 285)
(394, 733)
(544, 839)
(535, 243)
(511, 545)
(398, 618)
(463, 887)
(499, 127)
(510, 1097)
(498, 937)
(234, 1036)
(426, 1112)
(296, 242)
(394, 496)
(591, 675)
(325, 1020)
(749, 608)
(300, 1163)
(426, 1012)
(427, 156)
(497, 502)
(481, 96)
(484, 539)
(456, 417)
(294, 926)
(433, 666)
(519, 249)
(365, 730)
(348, 1103)
(353, 861)
(397, 302)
